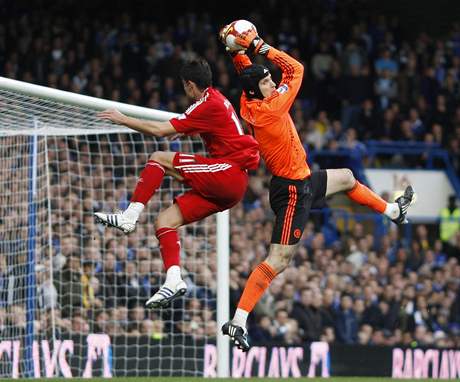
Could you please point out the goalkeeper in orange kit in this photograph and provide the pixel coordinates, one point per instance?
(294, 188)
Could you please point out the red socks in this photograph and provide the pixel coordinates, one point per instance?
(169, 246)
(150, 179)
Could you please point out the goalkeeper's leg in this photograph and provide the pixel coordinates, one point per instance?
(258, 282)
(159, 164)
(290, 200)
(343, 180)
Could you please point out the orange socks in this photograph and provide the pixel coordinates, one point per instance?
(257, 283)
(366, 197)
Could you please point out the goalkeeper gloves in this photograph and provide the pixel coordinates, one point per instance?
(248, 40)
(251, 41)
(260, 46)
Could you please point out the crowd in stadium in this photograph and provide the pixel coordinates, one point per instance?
(364, 80)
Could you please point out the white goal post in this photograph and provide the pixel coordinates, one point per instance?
(19, 119)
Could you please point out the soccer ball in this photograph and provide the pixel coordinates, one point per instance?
(235, 27)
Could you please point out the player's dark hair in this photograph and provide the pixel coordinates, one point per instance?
(197, 71)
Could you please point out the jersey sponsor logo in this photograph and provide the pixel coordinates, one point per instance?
(282, 89)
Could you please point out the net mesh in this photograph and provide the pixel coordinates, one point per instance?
(72, 292)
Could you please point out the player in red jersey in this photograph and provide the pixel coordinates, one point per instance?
(218, 182)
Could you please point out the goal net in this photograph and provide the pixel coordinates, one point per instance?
(72, 292)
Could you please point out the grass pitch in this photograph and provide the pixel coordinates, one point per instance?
(197, 379)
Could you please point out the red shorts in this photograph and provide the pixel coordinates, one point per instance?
(217, 185)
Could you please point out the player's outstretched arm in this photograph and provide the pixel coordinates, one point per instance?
(155, 128)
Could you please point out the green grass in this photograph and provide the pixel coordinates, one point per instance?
(192, 379)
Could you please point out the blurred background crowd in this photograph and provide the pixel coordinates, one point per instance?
(367, 78)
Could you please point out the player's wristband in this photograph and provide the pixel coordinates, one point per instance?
(259, 46)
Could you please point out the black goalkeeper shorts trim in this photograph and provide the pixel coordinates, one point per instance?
(291, 201)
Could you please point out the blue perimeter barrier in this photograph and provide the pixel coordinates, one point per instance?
(353, 158)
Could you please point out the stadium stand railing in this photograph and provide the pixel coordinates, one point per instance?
(434, 157)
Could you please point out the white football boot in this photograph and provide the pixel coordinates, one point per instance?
(119, 221)
(166, 294)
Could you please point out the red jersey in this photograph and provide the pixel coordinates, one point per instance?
(215, 120)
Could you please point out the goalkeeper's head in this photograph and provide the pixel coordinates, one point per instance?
(196, 76)
(257, 82)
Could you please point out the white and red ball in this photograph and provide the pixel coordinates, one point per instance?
(234, 28)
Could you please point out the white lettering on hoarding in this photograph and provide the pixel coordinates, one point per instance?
(50, 361)
(274, 368)
(66, 346)
(55, 363)
(430, 363)
(262, 361)
(281, 361)
(210, 361)
(319, 353)
(16, 355)
(98, 345)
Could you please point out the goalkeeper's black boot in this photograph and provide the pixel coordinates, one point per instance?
(238, 335)
(166, 294)
(404, 201)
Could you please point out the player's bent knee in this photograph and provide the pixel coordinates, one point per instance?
(164, 158)
(166, 222)
(157, 156)
(169, 218)
(280, 257)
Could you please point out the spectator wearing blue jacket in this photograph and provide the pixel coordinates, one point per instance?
(346, 322)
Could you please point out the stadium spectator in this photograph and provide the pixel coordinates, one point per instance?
(79, 325)
(346, 325)
(308, 316)
(263, 331)
(46, 291)
(111, 281)
(68, 285)
(449, 225)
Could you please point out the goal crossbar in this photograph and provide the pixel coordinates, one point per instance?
(81, 100)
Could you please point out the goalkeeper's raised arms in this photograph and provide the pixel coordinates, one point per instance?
(155, 128)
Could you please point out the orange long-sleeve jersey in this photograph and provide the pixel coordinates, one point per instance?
(269, 118)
